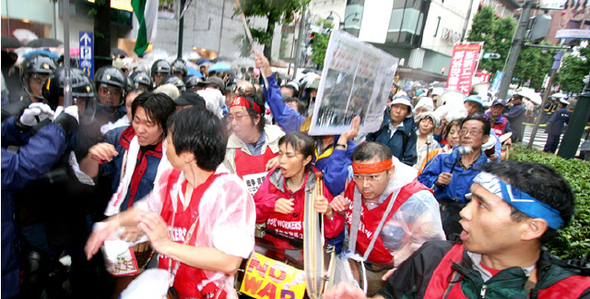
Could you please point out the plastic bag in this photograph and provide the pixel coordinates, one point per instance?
(151, 284)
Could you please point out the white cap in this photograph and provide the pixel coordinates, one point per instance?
(403, 100)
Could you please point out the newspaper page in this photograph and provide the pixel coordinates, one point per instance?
(356, 80)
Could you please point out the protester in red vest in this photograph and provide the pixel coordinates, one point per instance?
(515, 208)
(281, 197)
(199, 217)
(253, 145)
(380, 179)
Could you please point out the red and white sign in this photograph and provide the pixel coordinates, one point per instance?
(463, 65)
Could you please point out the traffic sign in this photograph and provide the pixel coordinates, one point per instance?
(87, 53)
(491, 56)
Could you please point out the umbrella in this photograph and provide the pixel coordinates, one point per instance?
(44, 43)
(24, 35)
(559, 95)
(194, 71)
(10, 42)
(219, 67)
(43, 51)
(203, 60)
(118, 52)
(531, 95)
(244, 62)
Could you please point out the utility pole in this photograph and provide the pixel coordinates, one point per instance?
(517, 43)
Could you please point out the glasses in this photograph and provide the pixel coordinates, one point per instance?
(241, 89)
(370, 178)
(231, 118)
(472, 132)
(107, 91)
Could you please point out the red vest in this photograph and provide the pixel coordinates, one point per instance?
(499, 127)
(252, 169)
(289, 225)
(370, 221)
(187, 278)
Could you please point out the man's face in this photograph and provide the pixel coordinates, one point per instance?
(398, 112)
(313, 93)
(109, 95)
(516, 100)
(36, 83)
(496, 111)
(487, 226)
(371, 186)
(241, 123)
(472, 107)
(472, 134)
(158, 78)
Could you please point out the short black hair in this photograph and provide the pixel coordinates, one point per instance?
(300, 142)
(201, 133)
(300, 107)
(158, 107)
(369, 150)
(541, 182)
(486, 124)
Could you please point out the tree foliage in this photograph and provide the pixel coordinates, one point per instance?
(573, 70)
(496, 34)
(319, 44)
(275, 11)
(532, 65)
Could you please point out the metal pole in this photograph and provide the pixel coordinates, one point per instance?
(292, 46)
(299, 42)
(68, 83)
(180, 34)
(517, 42)
(575, 129)
(554, 68)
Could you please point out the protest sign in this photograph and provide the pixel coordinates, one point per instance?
(463, 65)
(356, 80)
(266, 278)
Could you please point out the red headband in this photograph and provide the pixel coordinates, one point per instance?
(372, 167)
(243, 102)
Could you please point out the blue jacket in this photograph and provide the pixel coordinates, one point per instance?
(558, 119)
(461, 180)
(289, 119)
(406, 154)
(333, 162)
(145, 169)
(35, 157)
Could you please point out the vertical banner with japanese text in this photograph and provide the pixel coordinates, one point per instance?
(463, 64)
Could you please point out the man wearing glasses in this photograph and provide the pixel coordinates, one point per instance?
(384, 198)
(451, 175)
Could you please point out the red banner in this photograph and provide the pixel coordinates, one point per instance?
(463, 64)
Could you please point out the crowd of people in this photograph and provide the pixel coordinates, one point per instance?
(165, 170)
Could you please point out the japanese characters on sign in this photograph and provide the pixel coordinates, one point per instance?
(463, 64)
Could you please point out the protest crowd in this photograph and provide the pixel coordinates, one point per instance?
(156, 183)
